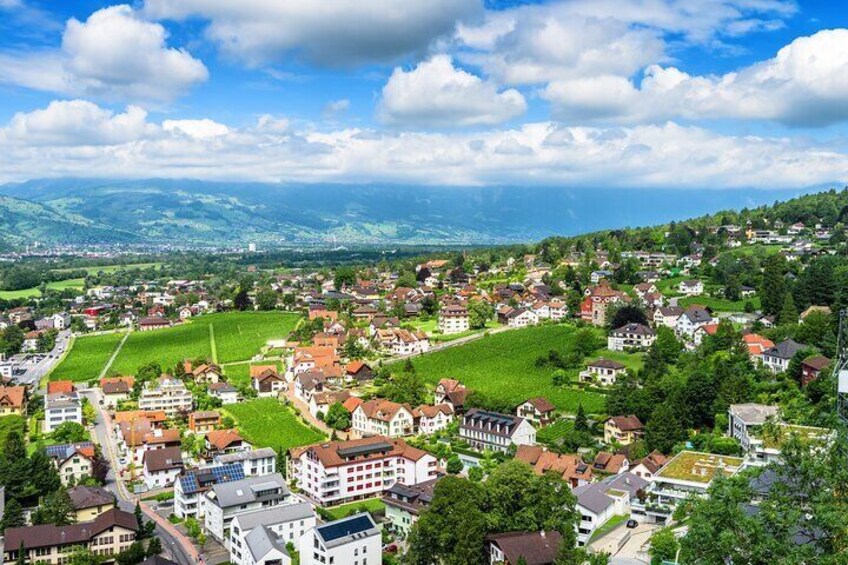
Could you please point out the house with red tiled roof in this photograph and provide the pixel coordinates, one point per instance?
(811, 368)
(430, 419)
(13, 400)
(538, 410)
(225, 441)
(66, 387)
(610, 463)
(571, 468)
(383, 417)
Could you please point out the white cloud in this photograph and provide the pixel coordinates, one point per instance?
(337, 107)
(80, 139)
(805, 84)
(113, 55)
(572, 39)
(331, 32)
(436, 93)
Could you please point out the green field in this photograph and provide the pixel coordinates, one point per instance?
(240, 374)
(550, 434)
(372, 505)
(86, 358)
(265, 422)
(238, 337)
(720, 304)
(34, 292)
(668, 286)
(502, 366)
(633, 361)
(108, 268)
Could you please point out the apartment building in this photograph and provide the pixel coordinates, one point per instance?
(383, 417)
(355, 540)
(169, 395)
(490, 430)
(224, 501)
(260, 537)
(254, 462)
(61, 407)
(453, 319)
(190, 486)
(337, 472)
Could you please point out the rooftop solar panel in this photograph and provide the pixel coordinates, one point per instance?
(346, 527)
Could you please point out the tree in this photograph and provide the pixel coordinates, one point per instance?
(132, 555)
(663, 430)
(788, 312)
(56, 508)
(627, 314)
(337, 417)
(664, 546)
(84, 556)
(581, 424)
(479, 313)
(154, 547)
(266, 299)
(668, 345)
(241, 300)
(405, 388)
(13, 515)
(15, 468)
(70, 432)
(454, 466)
(345, 276)
(773, 286)
(43, 474)
(22, 555)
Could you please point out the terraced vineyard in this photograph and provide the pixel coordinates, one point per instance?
(87, 357)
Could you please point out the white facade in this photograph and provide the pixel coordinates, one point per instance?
(490, 430)
(279, 525)
(170, 396)
(223, 502)
(362, 547)
(61, 407)
(390, 420)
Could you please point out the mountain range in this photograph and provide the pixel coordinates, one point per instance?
(86, 211)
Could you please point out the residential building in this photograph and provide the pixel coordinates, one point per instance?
(602, 371)
(260, 537)
(521, 318)
(355, 540)
(648, 466)
(320, 402)
(73, 461)
(691, 288)
(338, 472)
(667, 316)
(623, 430)
(267, 383)
(383, 417)
(13, 400)
(811, 368)
(403, 342)
(743, 417)
(225, 392)
(599, 502)
(404, 503)
(606, 463)
(532, 548)
(169, 395)
(430, 419)
(777, 358)
(631, 336)
(491, 430)
(107, 535)
(452, 393)
(453, 319)
(191, 486)
(757, 345)
(225, 501)
(90, 502)
(254, 462)
(219, 442)
(693, 318)
(571, 468)
(539, 411)
(162, 466)
(61, 407)
(116, 390)
(203, 421)
(597, 299)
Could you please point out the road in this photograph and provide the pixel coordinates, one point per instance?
(176, 546)
(36, 371)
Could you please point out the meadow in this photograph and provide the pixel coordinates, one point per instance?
(239, 374)
(240, 335)
(86, 358)
(503, 367)
(265, 422)
(35, 292)
(107, 269)
(720, 304)
(8, 424)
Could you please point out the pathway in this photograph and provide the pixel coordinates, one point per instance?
(303, 408)
(212, 343)
(114, 356)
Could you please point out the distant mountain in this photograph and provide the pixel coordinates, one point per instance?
(178, 211)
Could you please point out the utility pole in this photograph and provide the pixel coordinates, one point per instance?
(840, 368)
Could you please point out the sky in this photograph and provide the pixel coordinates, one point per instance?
(688, 94)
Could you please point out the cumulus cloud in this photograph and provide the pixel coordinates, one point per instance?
(114, 55)
(574, 39)
(805, 84)
(329, 32)
(435, 93)
(69, 135)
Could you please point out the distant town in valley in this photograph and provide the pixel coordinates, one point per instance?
(267, 406)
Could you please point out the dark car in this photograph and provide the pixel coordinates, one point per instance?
(632, 524)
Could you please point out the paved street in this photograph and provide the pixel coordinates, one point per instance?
(36, 371)
(175, 545)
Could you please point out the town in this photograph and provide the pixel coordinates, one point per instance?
(592, 399)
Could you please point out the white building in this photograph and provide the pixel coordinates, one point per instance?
(602, 371)
(169, 395)
(777, 358)
(161, 467)
(491, 430)
(227, 393)
(693, 318)
(190, 487)
(338, 472)
(355, 540)
(225, 501)
(631, 336)
(254, 462)
(691, 288)
(383, 417)
(61, 407)
(431, 419)
(598, 502)
(521, 318)
(453, 319)
(260, 537)
(742, 417)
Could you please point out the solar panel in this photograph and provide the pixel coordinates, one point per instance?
(211, 475)
(346, 527)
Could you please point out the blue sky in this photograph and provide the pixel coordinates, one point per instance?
(641, 93)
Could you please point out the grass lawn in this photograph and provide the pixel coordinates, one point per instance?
(86, 358)
(265, 422)
(747, 250)
(109, 268)
(502, 366)
(23, 293)
(240, 374)
(238, 337)
(66, 284)
(441, 338)
(668, 286)
(372, 505)
(609, 526)
(720, 304)
(633, 361)
(8, 424)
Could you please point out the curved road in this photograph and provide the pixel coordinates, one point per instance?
(174, 544)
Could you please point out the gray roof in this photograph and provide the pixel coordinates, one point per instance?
(593, 496)
(786, 349)
(249, 455)
(275, 515)
(753, 414)
(261, 540)
(227, 495)
(697, 315)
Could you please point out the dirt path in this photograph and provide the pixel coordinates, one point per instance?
(212, 343)
(114, 356)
